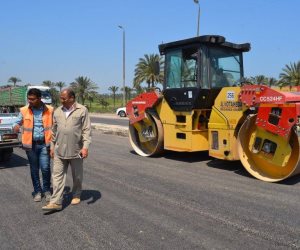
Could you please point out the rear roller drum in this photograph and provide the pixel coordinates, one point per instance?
(146, 136)
(267, 156)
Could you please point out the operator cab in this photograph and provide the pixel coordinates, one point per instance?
(196, 69)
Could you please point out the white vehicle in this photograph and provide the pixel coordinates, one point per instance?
(121, 112)
(8, 138)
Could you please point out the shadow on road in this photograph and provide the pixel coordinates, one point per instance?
(189, 157)
(16, 161)
(90, 196)
(234, 166)
(291, 181)
(237, 168)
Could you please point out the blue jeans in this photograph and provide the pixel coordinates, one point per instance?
(39, 158)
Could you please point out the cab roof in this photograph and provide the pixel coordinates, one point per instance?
(207, 39)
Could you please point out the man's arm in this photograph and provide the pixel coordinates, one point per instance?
(53, 137)
(18, 123)
(86, 134)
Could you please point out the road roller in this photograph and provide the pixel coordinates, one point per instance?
(204, 105)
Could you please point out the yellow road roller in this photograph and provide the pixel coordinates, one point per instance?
(205, 106)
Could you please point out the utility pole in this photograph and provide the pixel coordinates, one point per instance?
(122, 28)
(198, 19)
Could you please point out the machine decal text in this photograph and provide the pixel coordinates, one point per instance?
(231, 106)
(230, 95)
(270, 98)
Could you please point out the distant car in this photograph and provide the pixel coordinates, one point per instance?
(121, 112)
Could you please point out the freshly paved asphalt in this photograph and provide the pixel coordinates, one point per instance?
(175, 201)
(111, 119)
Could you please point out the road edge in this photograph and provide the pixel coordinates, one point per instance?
(111, 129)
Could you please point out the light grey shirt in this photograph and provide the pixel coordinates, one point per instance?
(68, 111)
(70, 134)
(38, 127)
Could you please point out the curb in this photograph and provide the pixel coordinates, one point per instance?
(110, 129)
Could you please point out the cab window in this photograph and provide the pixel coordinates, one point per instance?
(224, 67)
(181, 68)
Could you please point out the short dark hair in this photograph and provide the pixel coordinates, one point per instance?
(34, 91)
(70, 92)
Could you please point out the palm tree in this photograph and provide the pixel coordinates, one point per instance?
(272, 81)
(91, 96)
(128, 91)
(53, 91)
(55, 96)
(246, 80)
(113, 89)
(60, 85)
(145, 70)
(260, 79)
(82, 86)
(73, 85)
(103, 102)
(14, 80)
(290, 75)
(48, 83)
(139, 89)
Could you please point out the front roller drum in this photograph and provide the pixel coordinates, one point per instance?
(267, 156)
(146, 136)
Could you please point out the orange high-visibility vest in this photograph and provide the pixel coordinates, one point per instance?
(28, 125)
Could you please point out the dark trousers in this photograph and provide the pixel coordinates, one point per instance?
(39, 159)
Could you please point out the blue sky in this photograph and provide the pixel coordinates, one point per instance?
(60, 40)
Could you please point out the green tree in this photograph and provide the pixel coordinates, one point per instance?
(272, 81)
(103, 102)
(91, 96)
(145, 71)
(14, 80)
(55, 96)
(128, 91)
(48, 83)
(114, 90)
(53, 91)
(290, 75)
(247, 80)
(139, 89)
(82, 86)
(259, 79)
(60, 85)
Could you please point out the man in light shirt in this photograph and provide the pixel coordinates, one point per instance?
(71, 137)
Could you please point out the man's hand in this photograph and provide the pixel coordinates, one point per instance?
(16, 128)
(52, 153)
(84, 153)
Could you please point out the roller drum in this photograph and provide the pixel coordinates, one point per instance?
(267, 156)
(146, 136)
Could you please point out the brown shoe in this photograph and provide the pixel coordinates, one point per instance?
(75, 201)
(52, 207)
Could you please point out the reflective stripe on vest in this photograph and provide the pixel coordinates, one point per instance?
(28, 125)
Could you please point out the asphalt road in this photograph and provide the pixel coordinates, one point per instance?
(111, 119)
(175, 201)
